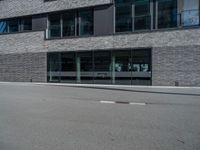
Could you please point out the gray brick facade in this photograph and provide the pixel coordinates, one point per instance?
(23, 56)
(13, 8)
(24, 67)
(176, 64)
(34, 41)
(175, 54)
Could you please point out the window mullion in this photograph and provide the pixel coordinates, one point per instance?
(61, 25)
(133, 17)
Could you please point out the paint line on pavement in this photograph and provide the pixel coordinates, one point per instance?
(107, 102)
(142, 104)
(122, 102)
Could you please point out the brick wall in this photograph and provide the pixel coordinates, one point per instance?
(23, 67)
(176, 53)
(176, 64)
(13, 8)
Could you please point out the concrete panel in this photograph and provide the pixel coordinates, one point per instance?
(103, 20)
(39, 23)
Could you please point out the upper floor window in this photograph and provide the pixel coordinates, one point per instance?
(71, 23)
(16, 25)
(190, 13)
(123, 19)
(3, 26)
(55, 25)
(27, 24)
(86, 22)
(132, 15)
(167, 13)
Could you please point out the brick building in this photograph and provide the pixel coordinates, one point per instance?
(129, 42)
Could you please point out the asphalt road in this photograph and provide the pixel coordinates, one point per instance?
(43, 117)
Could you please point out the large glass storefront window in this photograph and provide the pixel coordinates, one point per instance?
(167, 13)
(86, 22)
(68, 67)
(141, 67)
(190, 14)
(122, 67)
(86, 67)
(128, 67)
(53, 67)
(102, 67)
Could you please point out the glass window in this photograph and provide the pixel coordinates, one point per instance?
(102, 67)
(3, 26)
(27, 24)
(142, 15)
(141, 61)
(191, 13)
(167, 13)
(122, 64)
(68, 62)
(68, 67)
(14, 25)
(123, 20)
(86, 61)
(86, 22)
(53, 67)
(69, 24)
(55, 26)
(86, 66)
(141, 67)
(123, 1)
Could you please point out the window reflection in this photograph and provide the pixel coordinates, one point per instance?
(167, 13)
(13, 25)
(191, 13)
(27, 24)
(69, 24)
(86, 22)
(3, 26)
(123, 18)
(142, 15)
(141, 61)
(101, 67)
(55, 26)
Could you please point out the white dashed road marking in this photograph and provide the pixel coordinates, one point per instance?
(121, 102)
